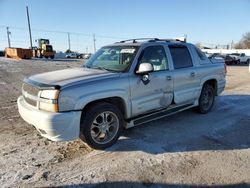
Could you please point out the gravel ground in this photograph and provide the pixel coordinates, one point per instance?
(187, 149)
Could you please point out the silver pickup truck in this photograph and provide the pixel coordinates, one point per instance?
(122, 85)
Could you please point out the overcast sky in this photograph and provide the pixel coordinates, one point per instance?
(206, 21)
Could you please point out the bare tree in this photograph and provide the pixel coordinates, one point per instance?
(244, 42)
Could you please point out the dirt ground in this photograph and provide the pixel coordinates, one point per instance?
(187, 149)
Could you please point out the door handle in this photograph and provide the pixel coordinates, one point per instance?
(169, 78)
(192, 74)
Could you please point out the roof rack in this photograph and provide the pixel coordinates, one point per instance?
(171, 40)
(150, 40)
(137, 39)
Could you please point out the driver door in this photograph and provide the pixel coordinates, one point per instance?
(158, 92)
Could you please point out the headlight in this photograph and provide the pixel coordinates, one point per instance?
(49, 100)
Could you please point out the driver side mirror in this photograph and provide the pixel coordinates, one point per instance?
(145, 68)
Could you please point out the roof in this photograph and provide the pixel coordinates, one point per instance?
(140, 41)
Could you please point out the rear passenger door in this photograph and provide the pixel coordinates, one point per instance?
(185, 75)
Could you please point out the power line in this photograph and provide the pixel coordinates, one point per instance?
(64, 32)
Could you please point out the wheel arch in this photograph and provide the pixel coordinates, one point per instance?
(213, 83)
(117, 101)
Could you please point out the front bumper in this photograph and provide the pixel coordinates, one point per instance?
(54, 126)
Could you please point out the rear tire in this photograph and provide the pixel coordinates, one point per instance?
(206, 99)
(101, 125)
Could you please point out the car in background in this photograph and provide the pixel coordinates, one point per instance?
(217, 57)
(71, 55)
(2, 53)
(75, 55)
(86, 56)
(229, 60)
(207, 54)
(243, 58)
(235, 56)
(78, 55)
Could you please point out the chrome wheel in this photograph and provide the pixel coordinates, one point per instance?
(104, 127)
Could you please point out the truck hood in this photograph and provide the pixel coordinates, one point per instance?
(66, 77)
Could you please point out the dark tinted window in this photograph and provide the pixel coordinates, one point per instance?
(156, 56)
(180, 56)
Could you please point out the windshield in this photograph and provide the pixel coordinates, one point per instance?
(113, 58)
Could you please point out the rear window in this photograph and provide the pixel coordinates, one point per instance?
(201, 54)
(181, 57)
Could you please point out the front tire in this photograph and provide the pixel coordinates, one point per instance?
(101, 125)
(206, 99)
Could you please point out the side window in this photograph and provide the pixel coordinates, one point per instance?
(181, 57)
(156, 56)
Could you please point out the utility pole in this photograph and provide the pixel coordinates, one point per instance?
(8, 35)
(94, 43)
(77, 45)
(69, 40)
(28, 17)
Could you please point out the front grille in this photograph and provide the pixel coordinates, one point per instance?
(30, 101)
(29, 90)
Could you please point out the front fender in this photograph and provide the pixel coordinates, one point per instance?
(83, 100)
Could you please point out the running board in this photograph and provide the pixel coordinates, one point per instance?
(156, 115)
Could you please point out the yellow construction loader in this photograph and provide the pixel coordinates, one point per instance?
(44, 49)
